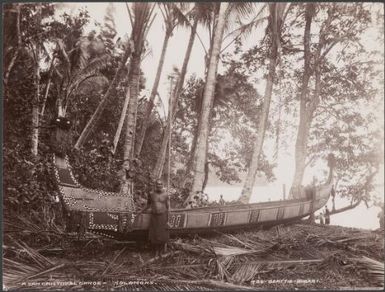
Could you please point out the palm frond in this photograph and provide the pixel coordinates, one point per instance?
(374, 269)
(238, 10)
(203, 11)
(246, 272)
(242, 9)
(89, 70)
(231, 251)
(180, 16)
(30, 265)
(92, 83)
(185, 20)
(223, 265)
(95, 65)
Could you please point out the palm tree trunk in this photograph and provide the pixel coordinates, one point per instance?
(275, 27)
(304, 120)
(88, 129)
(121, 120)
(208, 97)
(300, 152)
(14, 57)
(250, 179)
(190, 161)
(163, 149)
(134, 77)
(35, 102)
(47, 87)
(142, 12)
(154, 91)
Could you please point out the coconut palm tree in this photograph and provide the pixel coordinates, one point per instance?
(277, 12)
(172, 17)
(12, 38)
(201, 13)
(209, 16)
(79, 61)
(107, 96)
(174, 98)
(35, 102)
(141, 19)
(208, 96)
(300, 147)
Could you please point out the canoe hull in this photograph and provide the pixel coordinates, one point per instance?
(105, 213)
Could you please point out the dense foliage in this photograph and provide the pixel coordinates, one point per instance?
(70, 70)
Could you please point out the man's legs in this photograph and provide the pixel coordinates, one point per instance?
(157, 250)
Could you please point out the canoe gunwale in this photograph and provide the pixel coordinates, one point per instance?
(218, 218)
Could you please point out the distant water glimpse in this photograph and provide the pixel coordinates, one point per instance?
(359, 217)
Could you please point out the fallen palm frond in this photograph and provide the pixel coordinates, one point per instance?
(231, 251)
(247, 272)
(45, 272)
(163, 256)
(214, 284)
(312, 251)
(29, 264)
(374, 269)
(113, 261)
(190, 248)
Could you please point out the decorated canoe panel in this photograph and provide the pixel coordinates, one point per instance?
(217, 219)
(291, 211)
(177, 220)
(237, 217)
(197, 220)
(254, 216)
(300, 212)
(83, 200)
(268, 215)
(306, 208)
(60, 162)
(280, 213)
(65, 177)
(103, 220)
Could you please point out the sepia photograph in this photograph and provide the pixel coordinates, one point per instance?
(193, 146)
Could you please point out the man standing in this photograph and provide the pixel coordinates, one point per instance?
(327, 216)
(380, 216)
(159, 204)
(321, 218)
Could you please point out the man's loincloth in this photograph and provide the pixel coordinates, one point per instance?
(158, 232)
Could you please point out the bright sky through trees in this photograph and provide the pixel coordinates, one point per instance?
(174, 58)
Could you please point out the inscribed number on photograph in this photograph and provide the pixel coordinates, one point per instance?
(176, 220)
(217, 219)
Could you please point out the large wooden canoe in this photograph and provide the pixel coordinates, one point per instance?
(106, 213)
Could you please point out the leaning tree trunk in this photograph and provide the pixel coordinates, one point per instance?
(134, 77)
(179, 85)
(300, 151)
(154, 91)
(12, 62)
(304, 119)
(35, 102)
(250, 179)
(208, 98)
(88, 129)
(121, 120)
(47, 87)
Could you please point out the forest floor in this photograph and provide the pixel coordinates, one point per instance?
(297, 256)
